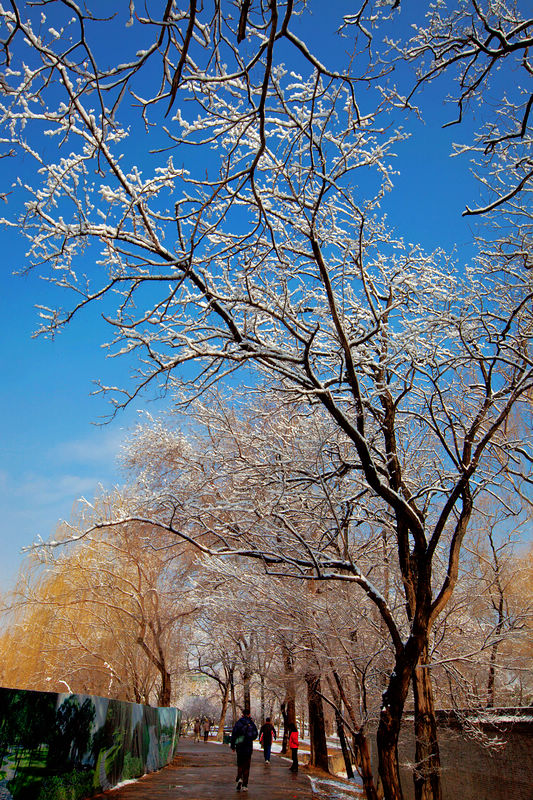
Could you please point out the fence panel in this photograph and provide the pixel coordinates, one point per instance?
(69, 747)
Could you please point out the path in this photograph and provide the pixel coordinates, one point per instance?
(206, 771)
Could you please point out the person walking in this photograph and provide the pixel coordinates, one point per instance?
(266, 734)
(207, 727)
(242, 741)
(197, 729)
(293, 744)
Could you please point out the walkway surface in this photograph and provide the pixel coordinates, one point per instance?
(207, 771)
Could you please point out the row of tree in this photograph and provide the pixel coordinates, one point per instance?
(132, 611)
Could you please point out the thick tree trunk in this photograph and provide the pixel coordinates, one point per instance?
(246, 681)
(427, 757)
(491, 683)
(165, 692)
(233, 700)
(492, 676)
(409, 665)
(246, 647)
(391, 716)
(262, 689)
(365, 766)
(285, 739)
(317, 728)
(387, 741)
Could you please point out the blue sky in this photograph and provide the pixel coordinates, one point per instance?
(51, 452)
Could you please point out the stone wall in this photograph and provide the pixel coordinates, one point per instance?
(488, 756)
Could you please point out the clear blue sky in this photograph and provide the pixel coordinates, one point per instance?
(51, 453)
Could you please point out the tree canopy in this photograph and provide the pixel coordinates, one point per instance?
(217, 187)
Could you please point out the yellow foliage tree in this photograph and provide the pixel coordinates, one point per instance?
(108, 616)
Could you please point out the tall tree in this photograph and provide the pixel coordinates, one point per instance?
(299, 543)
(267, 250)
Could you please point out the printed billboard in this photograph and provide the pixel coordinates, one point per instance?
(69, 747)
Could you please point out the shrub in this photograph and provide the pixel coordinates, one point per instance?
(74, 785)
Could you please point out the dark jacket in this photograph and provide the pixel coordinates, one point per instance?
(246, 730)
(267, 732)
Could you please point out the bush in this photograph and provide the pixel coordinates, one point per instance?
(133, 767)
(74, 785)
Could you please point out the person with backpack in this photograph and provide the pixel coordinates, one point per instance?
(266, 734)
(242, 741)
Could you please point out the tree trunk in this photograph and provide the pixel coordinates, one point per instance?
(246, 690)
(225, 703)
(391, 716)
(233, 700)
(365, 766)
(360, 744)
(494, 653)
(344, 746)
(317, 730)
(427, 758)
(165, 691)
(387, 741)
(347, 756)
(288, 707)
(262, 699)
(246, 648)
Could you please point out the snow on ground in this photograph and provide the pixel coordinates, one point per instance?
(328, 788)
(125, 783)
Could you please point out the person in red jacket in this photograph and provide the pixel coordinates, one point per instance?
(293, 744)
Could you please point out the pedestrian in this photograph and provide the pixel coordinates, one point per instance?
(207, 726)
(242, 741)
(197, 729)
(293, 744)
(266, 734)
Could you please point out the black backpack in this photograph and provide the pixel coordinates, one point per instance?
(246, 734)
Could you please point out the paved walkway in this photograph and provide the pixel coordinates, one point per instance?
(207, 771)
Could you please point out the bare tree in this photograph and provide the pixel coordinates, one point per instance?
(267, 250)
(477, 641)
(471, 44)
(242, 530)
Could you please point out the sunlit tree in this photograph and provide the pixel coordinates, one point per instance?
(258, 242)
(109, 618)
